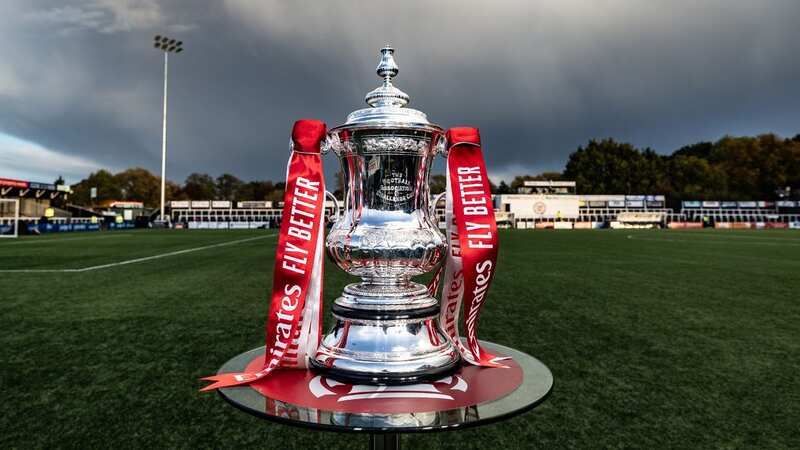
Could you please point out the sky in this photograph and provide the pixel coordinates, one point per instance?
(81, 85)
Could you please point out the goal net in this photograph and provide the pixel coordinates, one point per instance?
(9, 217)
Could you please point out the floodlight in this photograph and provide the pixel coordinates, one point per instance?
(167, 45)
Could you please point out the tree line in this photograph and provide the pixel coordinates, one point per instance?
(732, 168)
(138, 184)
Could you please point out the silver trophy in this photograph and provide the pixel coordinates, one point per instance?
(386, 327)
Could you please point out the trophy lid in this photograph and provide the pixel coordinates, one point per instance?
(387, 102)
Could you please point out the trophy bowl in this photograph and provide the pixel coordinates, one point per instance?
(386, 328)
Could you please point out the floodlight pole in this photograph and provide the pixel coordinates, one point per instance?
(166, 45)
(164, 138)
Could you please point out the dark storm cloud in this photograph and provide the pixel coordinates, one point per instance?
(539, 78)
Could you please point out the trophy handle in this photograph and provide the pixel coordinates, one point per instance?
(335, 204)
(435, 202)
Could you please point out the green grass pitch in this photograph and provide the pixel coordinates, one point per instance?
(656, 339)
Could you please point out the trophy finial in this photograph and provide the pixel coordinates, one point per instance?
(387, 67)
(387, 95)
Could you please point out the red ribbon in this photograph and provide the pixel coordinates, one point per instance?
(297, 276)
(472, 234)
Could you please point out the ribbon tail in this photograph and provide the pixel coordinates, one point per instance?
(495, 362)
(228, 380)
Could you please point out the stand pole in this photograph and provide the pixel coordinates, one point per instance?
(385, 441)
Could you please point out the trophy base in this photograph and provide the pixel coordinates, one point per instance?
(350, 376)
(385, 346)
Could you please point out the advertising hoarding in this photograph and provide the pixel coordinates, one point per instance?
(748, 205)
(634, 203)
(126, 204)
(179, 204)
(691, 204)
(220, 204)
(8, 182)
(710, 204)
(254, 204)
(45, 186)
(616, 203)
(729, 204)
(201, 204)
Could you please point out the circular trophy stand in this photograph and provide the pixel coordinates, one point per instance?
(472, 396)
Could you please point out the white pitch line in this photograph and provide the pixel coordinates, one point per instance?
(134, 261)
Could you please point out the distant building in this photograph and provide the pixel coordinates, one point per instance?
(34, 198)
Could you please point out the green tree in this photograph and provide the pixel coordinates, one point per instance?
(228, 186)
(138, 184)
(653, 174)
(199, 186)
(739, 158)
(606, 167)
(699, 150)
(103, 180)
(277, 195)
(255, 190)
(694, 178)
(503, 188)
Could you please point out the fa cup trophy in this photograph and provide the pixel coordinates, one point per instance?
(386, 326)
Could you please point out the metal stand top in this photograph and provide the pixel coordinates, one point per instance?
(384, 428)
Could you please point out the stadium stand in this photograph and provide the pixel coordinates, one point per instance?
(743, 214)
(537, 205)
(38, 214)
(554, 205)
(224, 214)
